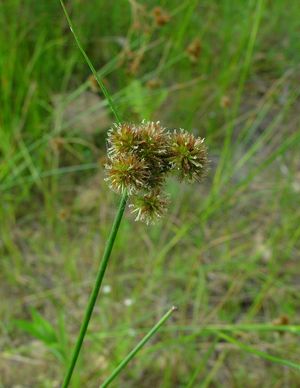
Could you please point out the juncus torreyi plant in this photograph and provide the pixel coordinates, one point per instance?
(141, 156)
(139, 159)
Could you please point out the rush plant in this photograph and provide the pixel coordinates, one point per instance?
(139, 158)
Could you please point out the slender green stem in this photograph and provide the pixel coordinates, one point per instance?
(115, 227)
(88, 61)
(95, 291)
(138, 347)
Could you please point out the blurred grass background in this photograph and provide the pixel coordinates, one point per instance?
(227, 254)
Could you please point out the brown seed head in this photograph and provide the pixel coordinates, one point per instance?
(194, 50)
(225, 102)
(152, 140)
(149, 207)
(188, 156)
(160, 16)
(127, 172)
(122, 140)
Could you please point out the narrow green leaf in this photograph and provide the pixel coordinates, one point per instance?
(139, 346)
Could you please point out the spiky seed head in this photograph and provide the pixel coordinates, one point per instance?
(152, 140)
(127, 172)
(147, 140)
(122, 139)
(156, 179)
(141, 156)
(188, 155)
(149, 207)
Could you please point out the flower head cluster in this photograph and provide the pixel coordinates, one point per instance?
(137, 157)
(141, 156)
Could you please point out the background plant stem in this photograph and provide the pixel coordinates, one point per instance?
(138, 347)
(94, 294)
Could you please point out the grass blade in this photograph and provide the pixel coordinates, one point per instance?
(259, 353)
(88, 61)
(138, 347)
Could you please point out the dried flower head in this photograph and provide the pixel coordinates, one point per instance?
(140, 158)
(188, 156)
(225, 102)
(194, 50)
(154, 83)
(127, 172)
(160, 16)
(149, 207)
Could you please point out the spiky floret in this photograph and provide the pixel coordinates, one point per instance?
(127, 172)
(149, 207)
(153, 142)
(152, 139)
(122, 139)
(188, 155)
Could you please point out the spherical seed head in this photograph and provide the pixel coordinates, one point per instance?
(149, 207)
(127, 172)
(122, 139)
(188, 155)
(152, 140)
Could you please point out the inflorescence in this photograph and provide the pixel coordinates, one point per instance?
(141, 156)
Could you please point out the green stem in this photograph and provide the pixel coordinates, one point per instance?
(88, 61)
(94, 294)
(138, 347)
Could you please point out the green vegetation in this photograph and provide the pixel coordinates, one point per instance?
(227, 253)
